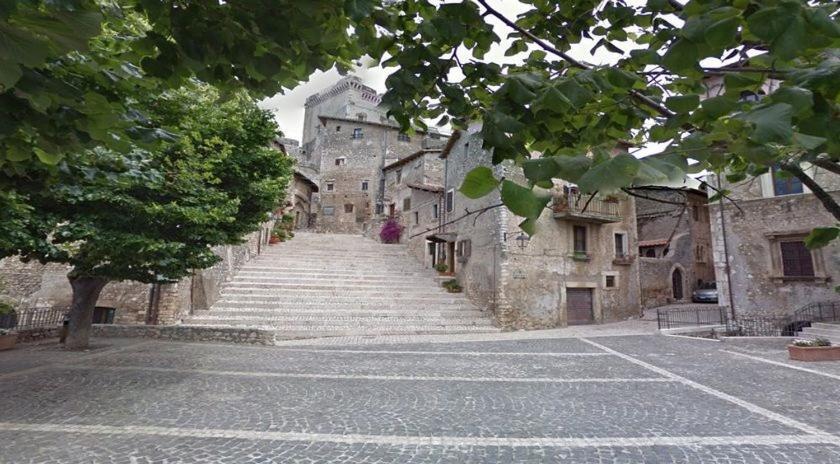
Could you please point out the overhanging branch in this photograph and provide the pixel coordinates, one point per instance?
(825, 198)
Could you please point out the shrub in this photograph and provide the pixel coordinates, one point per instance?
(391, 231)
(441, 267)
(6, 308)
(452, 286)
(812, 342)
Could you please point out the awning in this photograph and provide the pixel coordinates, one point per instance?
(443, 237)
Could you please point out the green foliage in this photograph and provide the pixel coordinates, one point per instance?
(153, 216)
(575, 114)
(452, 286)
(812, 342)
(441, 267)
(479, 182)
(821, 236)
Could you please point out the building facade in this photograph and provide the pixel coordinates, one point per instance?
(761, 262)
(675, 252)
(349, 139)
(578, 268)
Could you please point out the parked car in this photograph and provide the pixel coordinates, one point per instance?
(705, 293)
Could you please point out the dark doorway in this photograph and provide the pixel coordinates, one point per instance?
(677, 284)
(579, 306)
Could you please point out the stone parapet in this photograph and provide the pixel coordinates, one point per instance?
(237, 335)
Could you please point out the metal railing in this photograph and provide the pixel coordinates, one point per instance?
(672, 318)
(33, 318)
(575, 203)
(751, 325)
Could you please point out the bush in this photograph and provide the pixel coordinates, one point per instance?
(452, 286)
(441, 267)
(391, 231)
(6, 308)
(812, 342)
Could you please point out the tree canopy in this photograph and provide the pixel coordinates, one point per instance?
(654, 89)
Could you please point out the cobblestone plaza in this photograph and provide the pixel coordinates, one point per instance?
(453, 399)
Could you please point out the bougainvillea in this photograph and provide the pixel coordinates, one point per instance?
(391, 231)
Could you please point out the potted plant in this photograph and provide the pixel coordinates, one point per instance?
(580, 256)
(816, 349)
(452, 286)
(441, 268)
(391, 231)
(8, 338)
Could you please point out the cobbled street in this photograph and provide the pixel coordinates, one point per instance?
(617, 399)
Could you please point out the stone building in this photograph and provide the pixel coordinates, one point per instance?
(761, 262)
(413, 196)
(349, 139)
(33, 285)
(578, 268)
(301, 192)
(675, 253)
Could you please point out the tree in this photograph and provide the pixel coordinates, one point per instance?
(153, 216)
(654, 91)
(67, 66)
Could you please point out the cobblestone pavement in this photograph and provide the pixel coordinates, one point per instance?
(616, 399)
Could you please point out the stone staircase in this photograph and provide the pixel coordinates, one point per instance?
(830, 331)
(327, 285)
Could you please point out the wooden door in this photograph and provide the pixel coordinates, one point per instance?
(579, 306)
(677, 284)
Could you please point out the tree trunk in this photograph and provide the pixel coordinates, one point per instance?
(86, 292)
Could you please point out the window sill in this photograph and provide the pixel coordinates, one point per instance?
(580, 257)
(782, 278)
(623, 261)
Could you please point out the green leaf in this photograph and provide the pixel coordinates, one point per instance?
(716, 107)
(808, 142)
(540, 170)
(572, 167)
(529, 226)
(772, 123)
(478, 182)
(682, 103)
(821, 236)
(575, 93)
(722, 33)
(782, 26)
(611, 175)
(797, 97)
(47, 158)
(10, 73)
(621, 78)
(522, 201)
(682, 56)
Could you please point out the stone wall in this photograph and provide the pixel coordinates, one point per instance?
(34, 285)
(753, 231)
(236, 335)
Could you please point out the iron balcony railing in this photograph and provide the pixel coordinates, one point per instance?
(583, 207)
(33, 318)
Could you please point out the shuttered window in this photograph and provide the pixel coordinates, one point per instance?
(580, 239)
(796, 259)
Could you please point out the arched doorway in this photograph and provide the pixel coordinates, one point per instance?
(677, 284)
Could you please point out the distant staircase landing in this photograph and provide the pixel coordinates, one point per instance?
(328, 285)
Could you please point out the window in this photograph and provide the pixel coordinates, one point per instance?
(620, 245)
(435, 212)
(348, 208)
(796, 259)
(695, 212)
(330, 186)
(329, 210)
(784, 184)
(579, 234)
(416, 217)
(648, 252)
(609, 281)
(463, 250)
(380, 208)
(340, 161)
(361, 116)
(406, 204)
(450, 200)
(103, 315)
(399, 175)
(338, 128)
(357, 133)
(364, 186)
(403, 137)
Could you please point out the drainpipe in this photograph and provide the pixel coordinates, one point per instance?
(726, 253)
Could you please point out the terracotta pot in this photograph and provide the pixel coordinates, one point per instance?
(273, 240)
(814, 353)
(7, 342)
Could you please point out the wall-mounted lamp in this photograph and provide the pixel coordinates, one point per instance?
(522, 239)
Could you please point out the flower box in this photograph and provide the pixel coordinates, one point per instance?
(814, 353)
(7, 341)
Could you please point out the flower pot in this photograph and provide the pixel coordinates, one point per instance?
(274, 240)
(814, 353)
(454, 290)
(7, 342)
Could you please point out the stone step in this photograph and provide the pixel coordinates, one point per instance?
(342, 331)
(332, 286)
(236, 303)
(327, 273)
(279, 279)
(436, 294)
(349, 312)
(330, 269)
(328, 319)
(831, 334)
(826, 325)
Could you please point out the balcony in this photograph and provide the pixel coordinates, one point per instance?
(574, 207)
